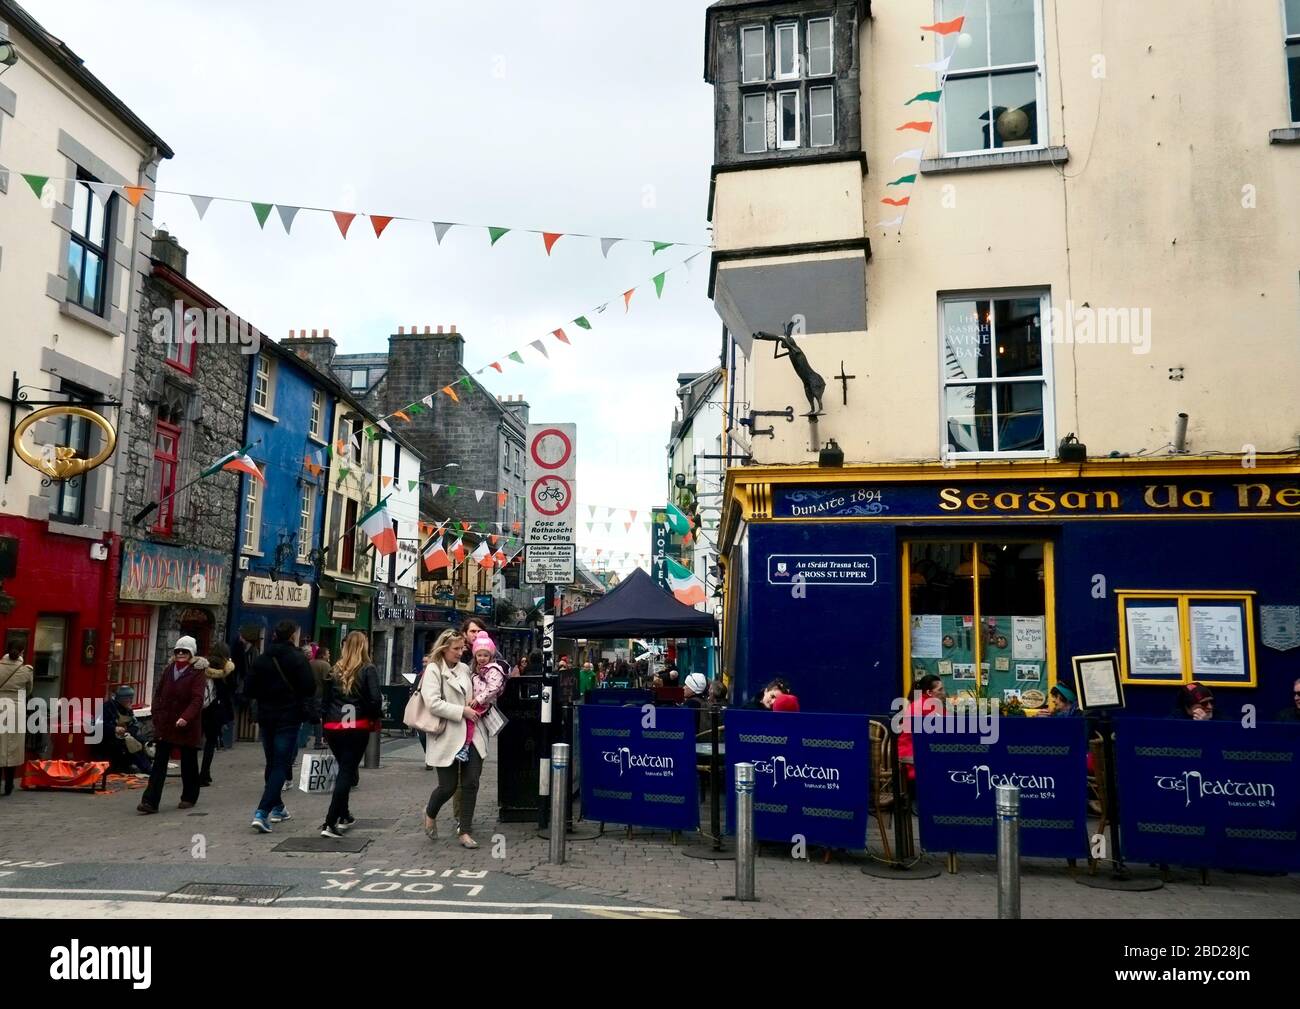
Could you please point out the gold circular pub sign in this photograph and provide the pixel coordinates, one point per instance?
(59, 462)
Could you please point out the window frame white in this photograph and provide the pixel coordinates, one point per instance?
(794, 73)
(316, 421)
(781, 143)
(1047, 379)
(762, 34)
(306, 513)
(1290, 39)
(267, 407)
(988, 73)
(813, 117)
(830, 48)
(761, 98)
(365, 379)
(253, 491)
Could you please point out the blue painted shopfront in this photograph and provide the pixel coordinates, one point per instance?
(823, 595)
(276, 585)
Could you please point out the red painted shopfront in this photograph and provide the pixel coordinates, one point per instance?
(63, 597)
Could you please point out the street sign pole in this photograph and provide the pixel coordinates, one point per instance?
(550, 699)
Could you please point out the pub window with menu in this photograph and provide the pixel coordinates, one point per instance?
(979, 618)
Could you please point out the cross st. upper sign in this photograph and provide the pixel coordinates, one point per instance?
(550, 473)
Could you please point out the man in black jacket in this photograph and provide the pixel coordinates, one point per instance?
(282, 684)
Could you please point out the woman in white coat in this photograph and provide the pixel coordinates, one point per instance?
(15, 687)
(448, 691)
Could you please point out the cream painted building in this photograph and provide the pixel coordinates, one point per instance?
(72, 262)
(977, 227)
(1147, 188)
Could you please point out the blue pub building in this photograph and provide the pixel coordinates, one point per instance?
(853, 581)
(278, 547)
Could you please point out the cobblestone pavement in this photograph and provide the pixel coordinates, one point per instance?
(107, 850)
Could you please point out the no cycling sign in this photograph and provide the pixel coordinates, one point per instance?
(551, 510)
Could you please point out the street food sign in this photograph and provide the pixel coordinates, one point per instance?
(551, 473)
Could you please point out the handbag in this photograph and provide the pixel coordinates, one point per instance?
(493, 722)
(418, 716)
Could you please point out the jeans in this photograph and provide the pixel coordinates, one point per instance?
(189, 756)
(280, 744)
(465, 775)
(348, 747)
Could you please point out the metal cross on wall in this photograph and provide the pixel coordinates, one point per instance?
(844, 381)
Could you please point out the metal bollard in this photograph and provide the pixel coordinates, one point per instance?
(1008, 816)
(371, 759)
(744, 832)
(559, 790)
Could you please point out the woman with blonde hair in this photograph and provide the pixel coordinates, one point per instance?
(448, 692)
(352, 707)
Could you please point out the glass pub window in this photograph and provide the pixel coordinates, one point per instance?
(317, 413)
(304, 523)
(821, 53)
(990, 95)
(166, 453)
(88, 246)
(787, 51)
(262, 384)
(252, 513)
(995, 383)
(821, 117)
(753, 57)
(755, 123)
(980, 606)
(787, 119)
(1292, 29)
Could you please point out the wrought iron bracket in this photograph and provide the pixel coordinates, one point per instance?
(19, 397)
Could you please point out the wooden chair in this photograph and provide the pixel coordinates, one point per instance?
(1097, 790)
(882, 777)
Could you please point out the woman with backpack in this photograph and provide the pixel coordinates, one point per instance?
(352, 707)
(218, 706)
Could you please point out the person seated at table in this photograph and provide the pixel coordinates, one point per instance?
(123, 742)
(718, 694)
(928, 696)
(770, 693)
(1292, 712)
(1061, 702)
(1195, 701)
(694, 689)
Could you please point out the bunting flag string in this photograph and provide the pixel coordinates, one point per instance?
(344, 219)
(933, 97)
(581, 321)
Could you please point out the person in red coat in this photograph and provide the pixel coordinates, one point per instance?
(177, 725)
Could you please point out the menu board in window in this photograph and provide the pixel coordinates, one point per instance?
(1219, 641)
(1154, 640)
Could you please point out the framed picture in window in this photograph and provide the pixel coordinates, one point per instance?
(1222, 636)
(1097, 682)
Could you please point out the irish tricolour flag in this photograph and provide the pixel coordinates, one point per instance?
(435, 555)
(378, 525)
(686, 587)
(235, 462)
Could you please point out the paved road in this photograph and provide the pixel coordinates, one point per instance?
(111, 859)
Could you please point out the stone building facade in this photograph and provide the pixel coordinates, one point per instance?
(189, 411)
(482, 434)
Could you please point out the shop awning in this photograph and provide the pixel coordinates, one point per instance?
(637, 608)
(331, 588)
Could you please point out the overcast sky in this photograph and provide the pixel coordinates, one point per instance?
(582, 115)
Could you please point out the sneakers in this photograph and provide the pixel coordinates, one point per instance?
(327, 831)
(279, 814)
(345, 822)
(260, 822)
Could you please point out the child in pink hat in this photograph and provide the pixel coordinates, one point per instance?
(489, 681)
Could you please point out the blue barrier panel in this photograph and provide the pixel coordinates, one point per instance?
(1045, 757)
(810, 771)
(639, 776)
(1209, 794)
